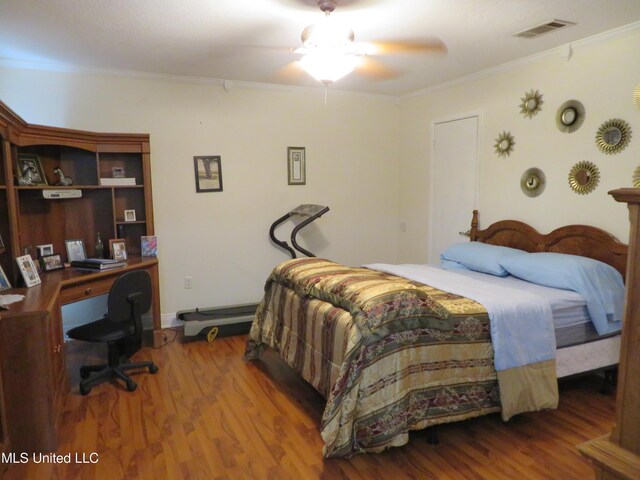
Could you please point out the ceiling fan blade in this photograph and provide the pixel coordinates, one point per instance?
(375, 69)
(290, 73)
(433, 45)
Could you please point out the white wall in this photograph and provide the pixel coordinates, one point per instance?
(221, 239)
(602, 74)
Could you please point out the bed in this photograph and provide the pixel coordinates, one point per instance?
(392, 354)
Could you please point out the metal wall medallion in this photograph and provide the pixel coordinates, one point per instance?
(504, 144)
(636, 96)
(531, 103)
(636, 177)
(570, 116)
(584, 177)
(613, 136)
(532, 182)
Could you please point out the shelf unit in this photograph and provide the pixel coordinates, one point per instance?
(27, 219)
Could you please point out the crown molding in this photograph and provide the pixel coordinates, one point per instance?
(560, 50)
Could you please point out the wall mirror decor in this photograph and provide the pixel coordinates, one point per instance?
(636, 96)
(636, 177)
(504, 144)
(531, 103)
(613, 136)
(570, 116)
(532, 182)
(584, 177)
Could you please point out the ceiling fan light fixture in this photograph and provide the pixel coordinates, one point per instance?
(328, 33)
(327, 66)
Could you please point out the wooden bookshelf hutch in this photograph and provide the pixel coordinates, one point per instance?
(31, 337)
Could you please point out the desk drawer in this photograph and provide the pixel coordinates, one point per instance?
(86, 290)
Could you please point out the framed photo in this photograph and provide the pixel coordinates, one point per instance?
(149, 246)
(28, 270)
(208, 171)
(117, 172)
(296, 166)
(129, 215)
(51, 262)
(118, 248)
(75, 250)
(30, 169)
(44, 250)
(4, 281)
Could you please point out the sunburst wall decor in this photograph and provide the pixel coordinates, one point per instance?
(584, 177)
(613, 136)
(570, 116)
(636, 96)
(532, 182)
(531, 103)
(504, 144)
(636, 177)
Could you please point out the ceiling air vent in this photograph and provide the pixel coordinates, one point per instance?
(547, 27)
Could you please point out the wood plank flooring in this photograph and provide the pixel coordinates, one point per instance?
(209, 414)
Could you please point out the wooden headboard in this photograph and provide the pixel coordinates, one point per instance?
(581, 240)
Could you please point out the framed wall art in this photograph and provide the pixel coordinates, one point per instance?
(29, 170)
(51, 262)
(296, 166)
(208, 173)
(75, 250)
(28, 270)
(118, 249)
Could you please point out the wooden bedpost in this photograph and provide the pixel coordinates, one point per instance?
(617, 456)
(473, 233)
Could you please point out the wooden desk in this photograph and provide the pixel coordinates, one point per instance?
(32, 355)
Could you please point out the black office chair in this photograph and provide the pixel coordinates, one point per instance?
(120, 329)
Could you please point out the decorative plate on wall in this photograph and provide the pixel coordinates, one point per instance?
(613, 136)
(570, 116)
(532, 182)
(504, 144)
(584, 177)
(636, 177)
(531, 103)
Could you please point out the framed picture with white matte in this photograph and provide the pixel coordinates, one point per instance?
(296, 166)
(28, 270)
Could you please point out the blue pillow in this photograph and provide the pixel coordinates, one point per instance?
(600, 284)
(451, 265)
(480, 257)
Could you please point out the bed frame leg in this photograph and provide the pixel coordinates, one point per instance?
(610, 381)
(432, 436)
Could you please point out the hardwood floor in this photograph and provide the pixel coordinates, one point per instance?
(208, 414)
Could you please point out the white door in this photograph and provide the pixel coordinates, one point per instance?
(454, 183)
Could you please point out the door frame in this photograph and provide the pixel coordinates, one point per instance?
(432, 164)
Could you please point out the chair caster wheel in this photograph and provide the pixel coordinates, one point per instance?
(85, 389)
(153, 369)
(84, 373)
(131, 385)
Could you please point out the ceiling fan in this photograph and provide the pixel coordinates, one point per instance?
(330, 51)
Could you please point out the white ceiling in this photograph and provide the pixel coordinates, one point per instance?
(251, 40)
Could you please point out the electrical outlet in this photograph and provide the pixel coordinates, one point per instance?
(187, 282)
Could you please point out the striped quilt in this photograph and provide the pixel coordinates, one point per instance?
(389, 355)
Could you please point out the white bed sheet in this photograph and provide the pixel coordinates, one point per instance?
(568, 308)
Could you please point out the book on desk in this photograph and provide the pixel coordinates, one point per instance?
(97, 264)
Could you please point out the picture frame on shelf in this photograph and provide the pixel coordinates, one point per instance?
(4, 281)
(208, 173)
(45, 250)
(118, 172)
(118, 248)
(149, 246)
(29, 170)
(75, 250)
(51, 262)
(296, 166)
(28, 270)
(129, 215)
